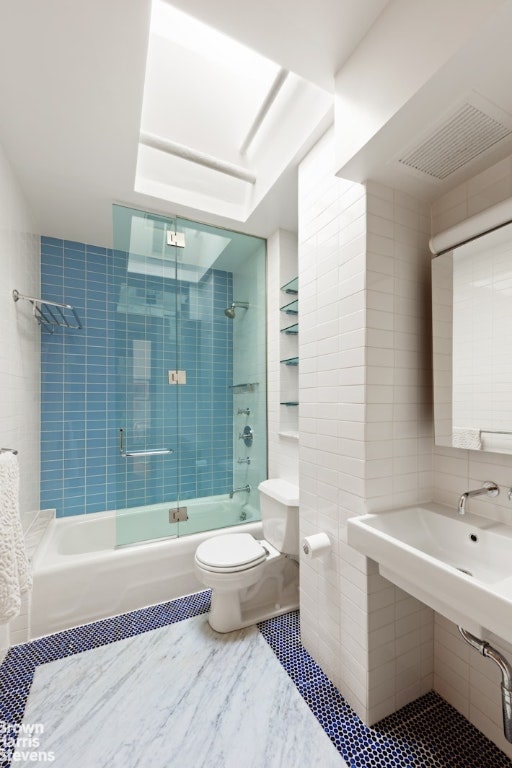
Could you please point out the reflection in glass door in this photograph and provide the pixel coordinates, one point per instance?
(146, 361)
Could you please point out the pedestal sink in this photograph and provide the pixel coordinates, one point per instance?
(459, 565)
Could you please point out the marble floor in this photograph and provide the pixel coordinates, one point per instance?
(157, 688)
(181, 696)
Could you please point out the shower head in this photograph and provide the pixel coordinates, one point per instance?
(230, 311)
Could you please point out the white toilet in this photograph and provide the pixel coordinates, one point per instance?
(255, 579)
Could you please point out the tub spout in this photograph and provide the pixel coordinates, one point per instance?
(246, 488)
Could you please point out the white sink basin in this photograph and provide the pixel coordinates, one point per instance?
(427, 550)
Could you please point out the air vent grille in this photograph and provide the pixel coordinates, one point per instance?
(467, 134)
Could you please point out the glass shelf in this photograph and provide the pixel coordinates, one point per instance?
(292, 286)
(290, 402)
(291, 329)
(290, 361)
(241, 388)
(292, 308)
(291, 434)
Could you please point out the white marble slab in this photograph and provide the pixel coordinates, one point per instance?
(178, 697)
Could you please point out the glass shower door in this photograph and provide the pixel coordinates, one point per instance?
(147, 294)
(190, 376)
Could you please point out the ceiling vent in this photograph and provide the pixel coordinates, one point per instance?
(466, 134)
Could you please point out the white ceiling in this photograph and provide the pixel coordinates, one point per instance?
(474, 75)
(71, 89)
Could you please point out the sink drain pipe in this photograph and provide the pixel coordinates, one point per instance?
(483, 647)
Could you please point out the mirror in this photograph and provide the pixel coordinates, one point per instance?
(472, 344)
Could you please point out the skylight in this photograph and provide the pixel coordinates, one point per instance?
(217, 128)
(187, 32)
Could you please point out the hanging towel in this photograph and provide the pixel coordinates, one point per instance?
(15, 577)
(464, 437)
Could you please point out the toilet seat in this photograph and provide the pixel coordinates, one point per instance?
(230, 553)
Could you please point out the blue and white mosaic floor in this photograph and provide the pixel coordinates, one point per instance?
(157, 687)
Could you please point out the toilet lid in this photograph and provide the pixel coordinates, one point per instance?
(232, 551)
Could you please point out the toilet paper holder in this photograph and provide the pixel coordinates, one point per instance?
(316, 545)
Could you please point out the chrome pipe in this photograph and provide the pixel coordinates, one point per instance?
(483, 648)
(246, 488)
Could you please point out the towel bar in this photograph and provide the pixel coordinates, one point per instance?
(9, 450)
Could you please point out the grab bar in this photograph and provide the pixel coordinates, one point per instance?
(139, 454)
(9, 450)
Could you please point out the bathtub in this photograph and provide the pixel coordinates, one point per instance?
(80, 575)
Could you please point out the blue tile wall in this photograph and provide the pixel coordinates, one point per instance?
(88, 392)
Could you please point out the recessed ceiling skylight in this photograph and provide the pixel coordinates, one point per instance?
(217, 126)
(187, 32)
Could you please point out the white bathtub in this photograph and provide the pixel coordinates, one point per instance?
(80, 576)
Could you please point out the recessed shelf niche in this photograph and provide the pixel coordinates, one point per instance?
(289, 378)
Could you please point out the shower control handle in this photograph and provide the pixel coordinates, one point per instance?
(244, 461)
(247, 436)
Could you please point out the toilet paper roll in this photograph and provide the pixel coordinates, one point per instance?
(316, 546)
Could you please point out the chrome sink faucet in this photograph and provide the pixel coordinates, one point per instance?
(490, 488)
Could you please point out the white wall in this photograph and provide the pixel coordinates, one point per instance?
(365, 424)
(19, 351)
(404, 49)
(468, 681)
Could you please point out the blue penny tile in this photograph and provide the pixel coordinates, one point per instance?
(442, 734)
(17, 669)
(415, 708)
(11, 683)
(417, 736)
(16, 672)
(389, 755)
(12, 705)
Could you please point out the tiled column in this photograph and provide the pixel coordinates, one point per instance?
(365, 425)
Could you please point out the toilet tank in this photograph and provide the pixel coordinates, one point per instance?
(279, 505)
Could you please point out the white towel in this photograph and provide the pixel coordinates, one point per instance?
(465, 437)
(15, 577)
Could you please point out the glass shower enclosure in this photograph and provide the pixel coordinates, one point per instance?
(190, 375)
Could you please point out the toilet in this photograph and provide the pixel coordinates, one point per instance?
(254, 579)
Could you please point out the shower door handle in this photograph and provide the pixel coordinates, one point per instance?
(139, 454)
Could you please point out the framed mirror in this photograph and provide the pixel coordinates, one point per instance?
(472, 344)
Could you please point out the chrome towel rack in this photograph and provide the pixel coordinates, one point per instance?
(9, 450)
(51, 314)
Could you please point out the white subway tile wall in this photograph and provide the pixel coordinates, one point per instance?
(20, 348)
(366, 436)
(365, 423)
